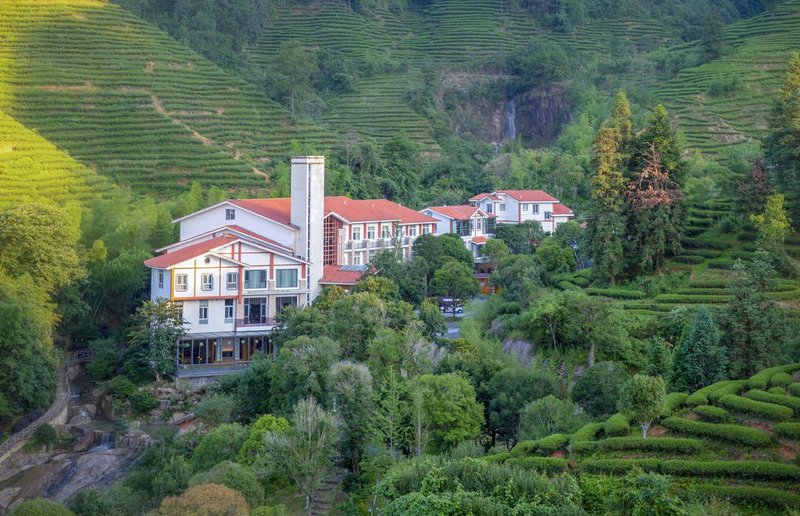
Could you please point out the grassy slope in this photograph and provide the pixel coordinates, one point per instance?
(33, 169)
(124, 98)
(756, 54)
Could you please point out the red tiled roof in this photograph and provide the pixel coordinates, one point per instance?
(261, 238)
(460, 212)
(479, 239)
(560, 209)
(369, 210)
(181, 255)
(334, 275)
(278, 209)
(483, 195)
(529, 195)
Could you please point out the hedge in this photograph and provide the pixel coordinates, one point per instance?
(748, 495)
(730, 388)
(587, 432)
(672, 402)
(616, 293)
(761, 379)
(524, 448)
(655, 444)
(709, 283)
(777, 390)
(713, 414)
(731, 433)
(566, 285)
(497, 457)
(699, 299)
(688, 258)
(545, 464)
(617, 425)
(794, 389)
(704, 243)
(721, 263)
(700, 396)
(551, 443)
(756, 408)
(581, 281)
(757, 470)
(702, 292)
(790, 430)
(781, 379)
(777, 399)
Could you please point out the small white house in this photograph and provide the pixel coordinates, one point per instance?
(517, 206)
(474, 225)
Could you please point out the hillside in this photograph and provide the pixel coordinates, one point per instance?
(33, 169)
(125, 99)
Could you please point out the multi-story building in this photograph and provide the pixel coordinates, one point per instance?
(241, 262)
(471, 223)
(517, 206)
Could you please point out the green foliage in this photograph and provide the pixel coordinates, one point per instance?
(524, 448)
(642, 400)
(552, 443)
(781, 379)
(548, 415)
(518, 237)
(736, 434)
(508, 390)
(545, 465)
(791, 402)
(790, 430)
(142, 400)
(432, 319)
(233, 475)
(117, 499)
(699, 359)
(454, 280)
(157, 327)
(221, 443)
(121, 387)
(352, 387)
(106, 359)
(646, 494)
(303, 367)
(749, 495)
(783, 140)
(761, 470)
(586, 433)
(713, 414)
(672, 402)
(616, 293)
(46, 436)
(173, 478)
(40, 507)
(597, 390)
(794, 389)
(666, 445)
(755, 408)
(255, 437)
(616, 425)
(215, 409)
(773, 225)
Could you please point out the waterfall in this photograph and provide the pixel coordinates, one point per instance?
(511, 120)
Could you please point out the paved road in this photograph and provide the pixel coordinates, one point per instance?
(453, 331)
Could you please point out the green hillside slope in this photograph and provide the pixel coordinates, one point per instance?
(33, 169)
(751, 70)
(124, 98)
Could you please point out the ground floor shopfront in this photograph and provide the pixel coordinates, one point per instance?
(212, 354)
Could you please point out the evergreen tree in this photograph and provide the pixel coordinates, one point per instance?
(712, 40)
(754, 189)
(782, 145)
(699, 359)
(621, 120)
(660, 137)
(773, 225)
(752, 324)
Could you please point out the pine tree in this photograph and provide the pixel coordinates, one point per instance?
(621, 119)
(660, 137)
(782, 145)
(699, 359)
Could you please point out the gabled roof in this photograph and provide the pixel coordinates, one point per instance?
(256, 236)
(342, 274)
(187, 253)
(484, 195)
(459, 212)
(231, 229)
(372, 210)
(278, 209)
(529, 195)
(560, 209)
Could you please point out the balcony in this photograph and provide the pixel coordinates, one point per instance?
(272, 288)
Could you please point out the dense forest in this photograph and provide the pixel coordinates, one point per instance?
(643, 358)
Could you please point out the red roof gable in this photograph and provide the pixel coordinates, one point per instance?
(260, 238)
(560, 209)
(193, 251)
(460, 212)
(278, 209)
(334, 275)
(483, 196)
(529, 195)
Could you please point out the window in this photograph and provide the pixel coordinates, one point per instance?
(386, 231)
(412, 231)
(535, 208)
(371, 231)
(286, 278)
(232, 280)
(356, 258)
(229, 310)
(202, 314)
(230, 214)
(502, 207)
(206, 281)
(548, 215)
(356, 232)
(524, 207)
(372, 255)
(282, 303)
(426, 229)
(255, 310)
(179, 306)
(181, 282)
(160, 279)
(489, 207)
(255, 279)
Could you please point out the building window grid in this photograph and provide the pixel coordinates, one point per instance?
(232, 280)
(356, 232)
(230, 214)
(206, 281)
(286, 278)
(502, 207)
(372, 231)
(181, 282)
(525, 207)
(160, 279)
(229, 310)
(202, 314)
(386, 231)
(255, 278)
(535, 208)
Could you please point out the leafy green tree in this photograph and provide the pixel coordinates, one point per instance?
(381, 286)
(157, 327)
(773, 225)
(206, 499)
(645, 494)
(303, 368)
(520, 238)
(40, 239)
(606, 236)
(453, 248)
(659, 137)
(556, 257)
(352, 390)
(620, 120)
(598, 388)
(448, 404)
(306, 450)
(550, 415)
(291, 71)
(255, 437)
(545, 318)
(658, 358)
(355, 320)
(510, 389)
(456, 281)
(520, 278)
(751, 322)
(221, 443)
(215, 409)
(699, 359)
(712, 41)
(782, 144)
(389, 418)
(173, 479)
(642, 399)
(433, 321)
(496, 250)
(240, 477)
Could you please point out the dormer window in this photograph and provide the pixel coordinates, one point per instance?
(230, 214)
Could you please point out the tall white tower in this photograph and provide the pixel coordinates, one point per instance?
(308, 210)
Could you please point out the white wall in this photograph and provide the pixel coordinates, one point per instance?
(214, 218)
(308, 212)
(155, 291)
(443, 224)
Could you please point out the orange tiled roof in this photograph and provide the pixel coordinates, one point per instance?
(529, 195)
(181, 255)
(460, 212)
(334, 275)
(560, 209)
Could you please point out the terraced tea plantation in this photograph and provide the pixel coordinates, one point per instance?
(125, 99)
(33, 169)
(735, 440)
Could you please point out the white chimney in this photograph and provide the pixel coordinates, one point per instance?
(308, 210)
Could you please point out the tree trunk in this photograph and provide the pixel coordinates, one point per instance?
(645, 427)
(308, 505)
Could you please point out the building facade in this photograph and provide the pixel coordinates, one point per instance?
(518, 206)
(472, 224)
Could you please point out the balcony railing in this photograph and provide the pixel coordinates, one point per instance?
(269, 321)
(271, 286)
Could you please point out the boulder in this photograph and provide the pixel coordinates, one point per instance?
(80, 420)
(91, 410)
(164, 404)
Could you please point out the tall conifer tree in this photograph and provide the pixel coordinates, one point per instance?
(699, 359)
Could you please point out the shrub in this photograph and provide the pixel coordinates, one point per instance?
(777, 399)
(173, 478)
(581, 281)
(543, 464)
(270, 510)
(672, 402)
(551, 443)
(120, 387)
(222, 443)
(255, 438)
(208, 500)
(781, 379)
(652, 444)
(524, 448)
(756, 470)
(497, 457)
(777, 390)
(756, 408)
(40, 507)
(616, 425)
(700, 396)
(618, 466)
(587, 432)
(142, 401)
(750, 495)
(688, 258)
(566, 285)
(732, 387)
(731, 433)
(215, 410)
(693, 299)
(761, 379)
(790, 430)
(106, 359)
(45, 435)
(794, 389)
(713, 414)
(616, 293)
(117, 499)
(597, 390)
(721, 263)
(236, 476)
(549, 415)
